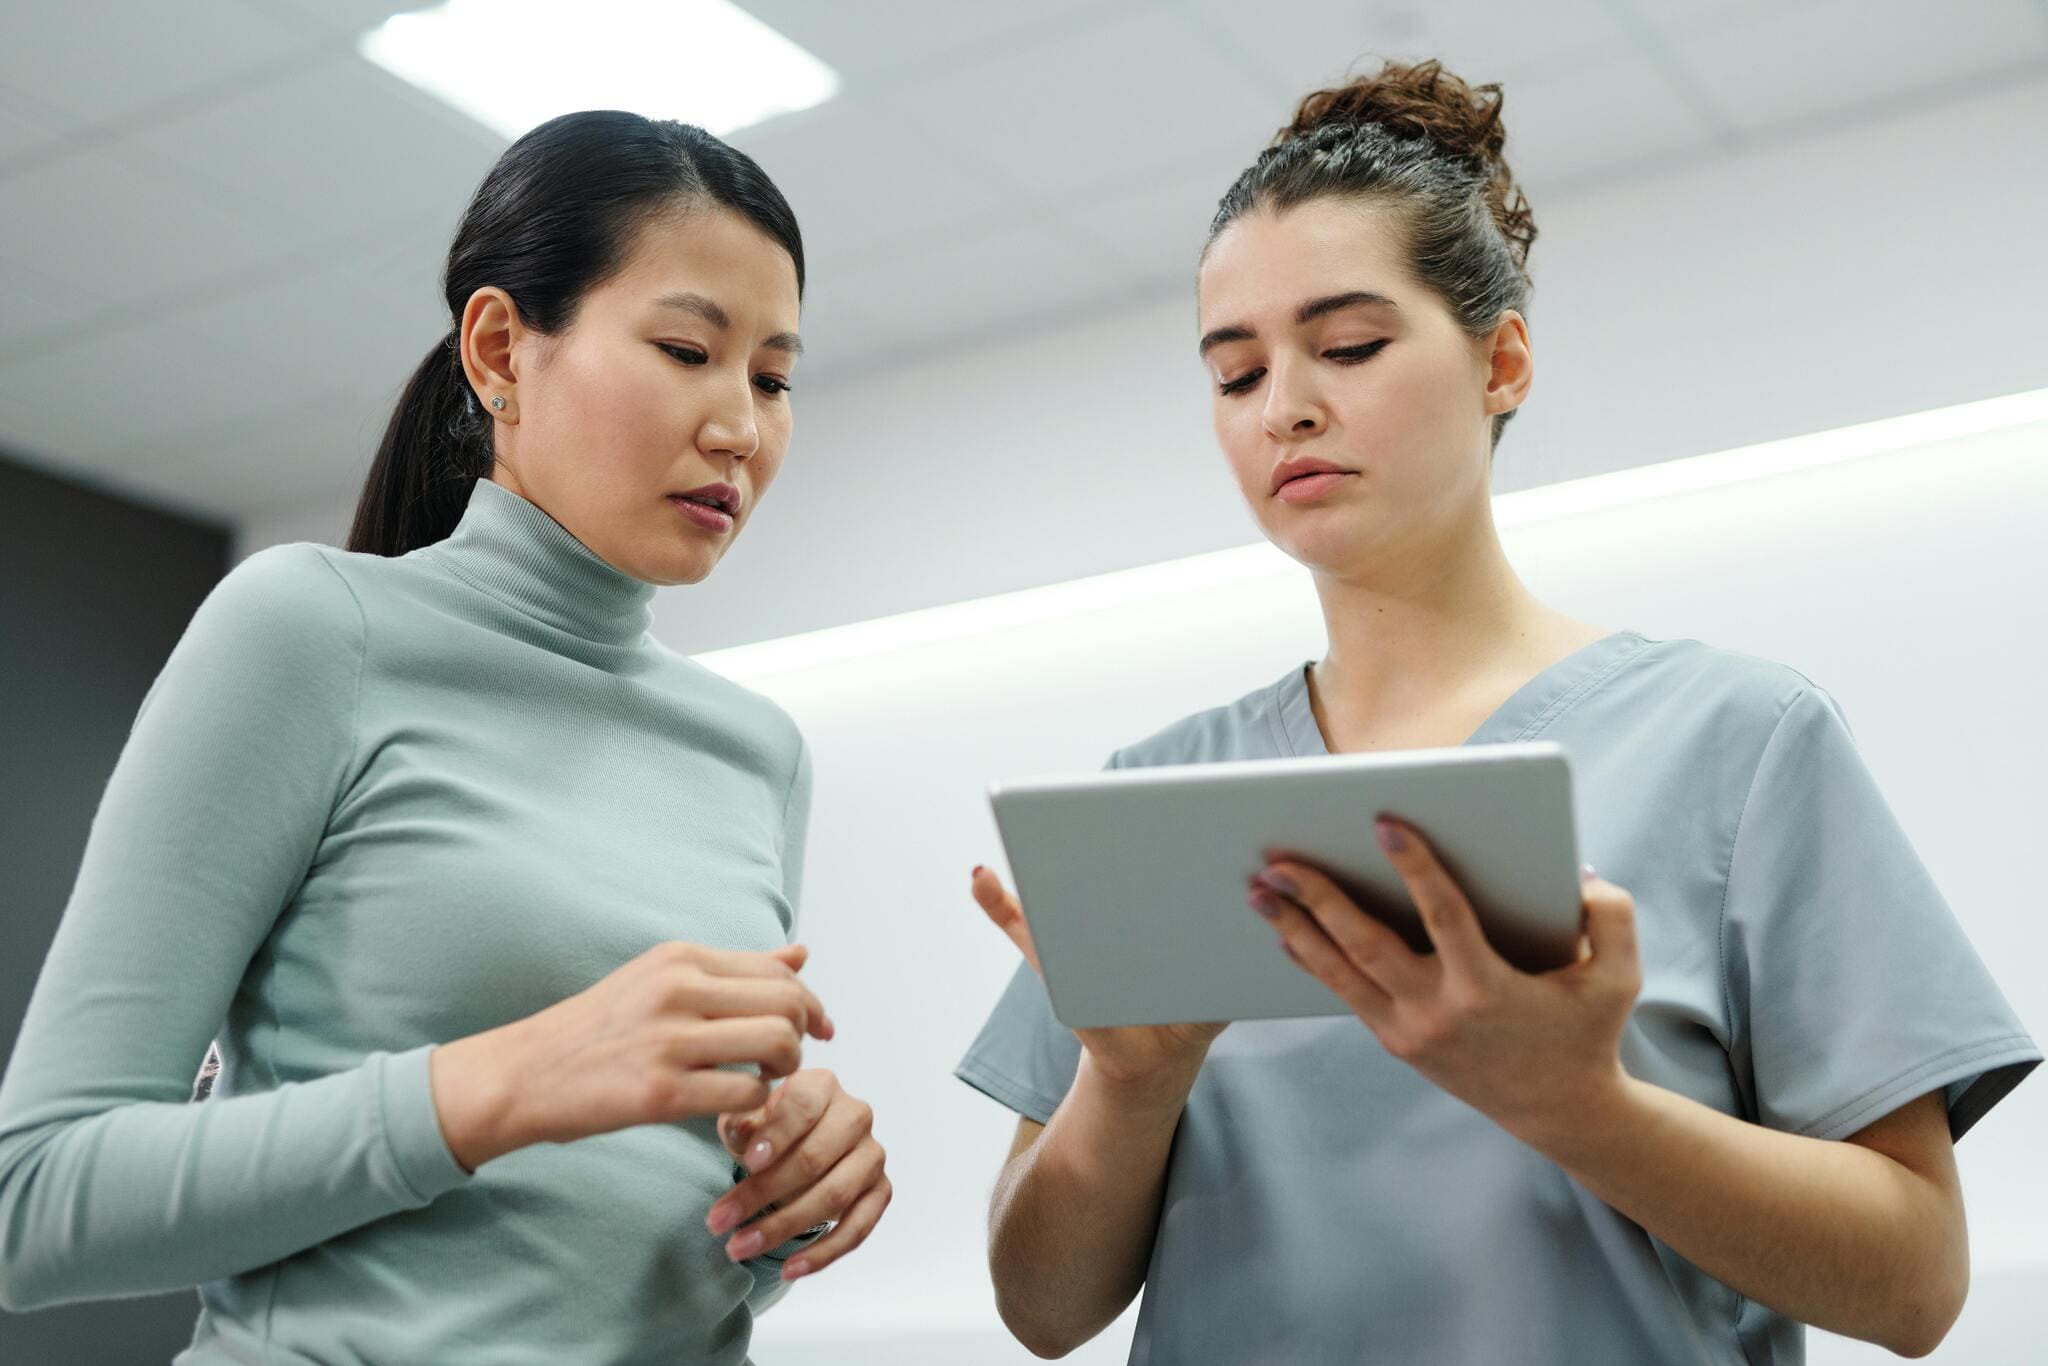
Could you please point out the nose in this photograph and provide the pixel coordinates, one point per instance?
(728, 427)
(1293, 410)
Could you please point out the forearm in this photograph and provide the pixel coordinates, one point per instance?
(1074, 1215)
(151, 1196)
(1829, 1233)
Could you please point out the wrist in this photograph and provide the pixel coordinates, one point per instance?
(1160, 1091)
(473, 1098)
(1583, 1116)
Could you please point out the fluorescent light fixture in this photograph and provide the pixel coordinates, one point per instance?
(1244, 563)
(514, 64)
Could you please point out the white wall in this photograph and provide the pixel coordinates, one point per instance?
(1906, 583)
(1841, 276)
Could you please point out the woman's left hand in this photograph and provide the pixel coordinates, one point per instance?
(1534, 1052)
(811, 1154)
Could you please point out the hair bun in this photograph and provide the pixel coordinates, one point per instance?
(1422, 100)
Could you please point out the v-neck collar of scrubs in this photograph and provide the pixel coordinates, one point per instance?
(1528, 711)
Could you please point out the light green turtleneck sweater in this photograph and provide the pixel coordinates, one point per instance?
(371, 805)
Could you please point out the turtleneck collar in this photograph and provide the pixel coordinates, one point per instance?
(510, 549)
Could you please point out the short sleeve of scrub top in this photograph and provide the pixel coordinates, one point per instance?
(1801, 971)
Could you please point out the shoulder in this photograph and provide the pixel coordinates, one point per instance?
(740, 709)
(1724, 691)
(1246, 728)
(285, 602)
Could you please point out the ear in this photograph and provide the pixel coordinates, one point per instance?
(491, 336)
(1510, 367)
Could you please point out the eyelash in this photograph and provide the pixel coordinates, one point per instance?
(690, 355)
(1343, 355)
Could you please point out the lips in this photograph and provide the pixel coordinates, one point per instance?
(723, 497)
(1305, 468)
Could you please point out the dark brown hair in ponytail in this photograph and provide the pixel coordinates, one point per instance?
(1428, 145)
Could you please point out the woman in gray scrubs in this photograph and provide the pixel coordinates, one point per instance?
(1733, 1116)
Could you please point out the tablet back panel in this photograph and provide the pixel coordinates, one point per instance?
(1134, 880)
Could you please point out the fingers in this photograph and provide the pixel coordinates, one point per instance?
(1303, 940)
(1373, 950)
(727, 997)
(672, 1096)
(802, 1163)
(831, 1196)
(1448, 917)
(778, 1126)
(774, 962)
(737, 1126)
(1004, 911)
(769, 1041)
(854, 1227)
(717, 975)
(1611, 932)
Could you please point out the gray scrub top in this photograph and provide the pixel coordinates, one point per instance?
(1325, 1203)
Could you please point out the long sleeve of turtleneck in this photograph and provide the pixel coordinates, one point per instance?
(111, 1183)
(369, 806)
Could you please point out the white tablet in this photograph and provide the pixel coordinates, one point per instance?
(1133, 881)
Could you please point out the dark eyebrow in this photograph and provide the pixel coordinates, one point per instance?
(711, 313)
(1308, 312)
(1316, 308)
(1225, 334)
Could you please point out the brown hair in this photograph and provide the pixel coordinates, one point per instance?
(1421, 140)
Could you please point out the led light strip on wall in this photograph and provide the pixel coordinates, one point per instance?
(1244, 563)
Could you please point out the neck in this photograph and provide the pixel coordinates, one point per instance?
(1425, 626)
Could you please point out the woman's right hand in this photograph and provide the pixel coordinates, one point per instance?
(644, 1045)
(1133, 1056)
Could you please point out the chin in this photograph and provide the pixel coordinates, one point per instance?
(670, 569)
(1326, 549)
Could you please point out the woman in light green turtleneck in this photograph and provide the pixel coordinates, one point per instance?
(487, 896)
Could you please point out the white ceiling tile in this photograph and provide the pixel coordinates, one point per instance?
(97, 221)
(27, 127)
(124, 389)
(1770, 68)
(1155, 230)
(1092, 107)
(1304, 45)
(34, 432)
(345, 17)
(1596, 114)
(325, 328)
(37, 304)
(339, 147)
(296, 454)
(98, 60)
(985, 284)
(866, 40)
(860, 176)
(407, 258)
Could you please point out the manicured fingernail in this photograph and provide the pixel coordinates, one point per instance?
(1279, 882)
(743, 1246)
(758, 1155)
(797, 1268)
(1262, 901)
(975, 873)
(723, 1217)
(1390, 836)
(1586, 873)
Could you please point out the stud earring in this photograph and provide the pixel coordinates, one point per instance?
(498, 404)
